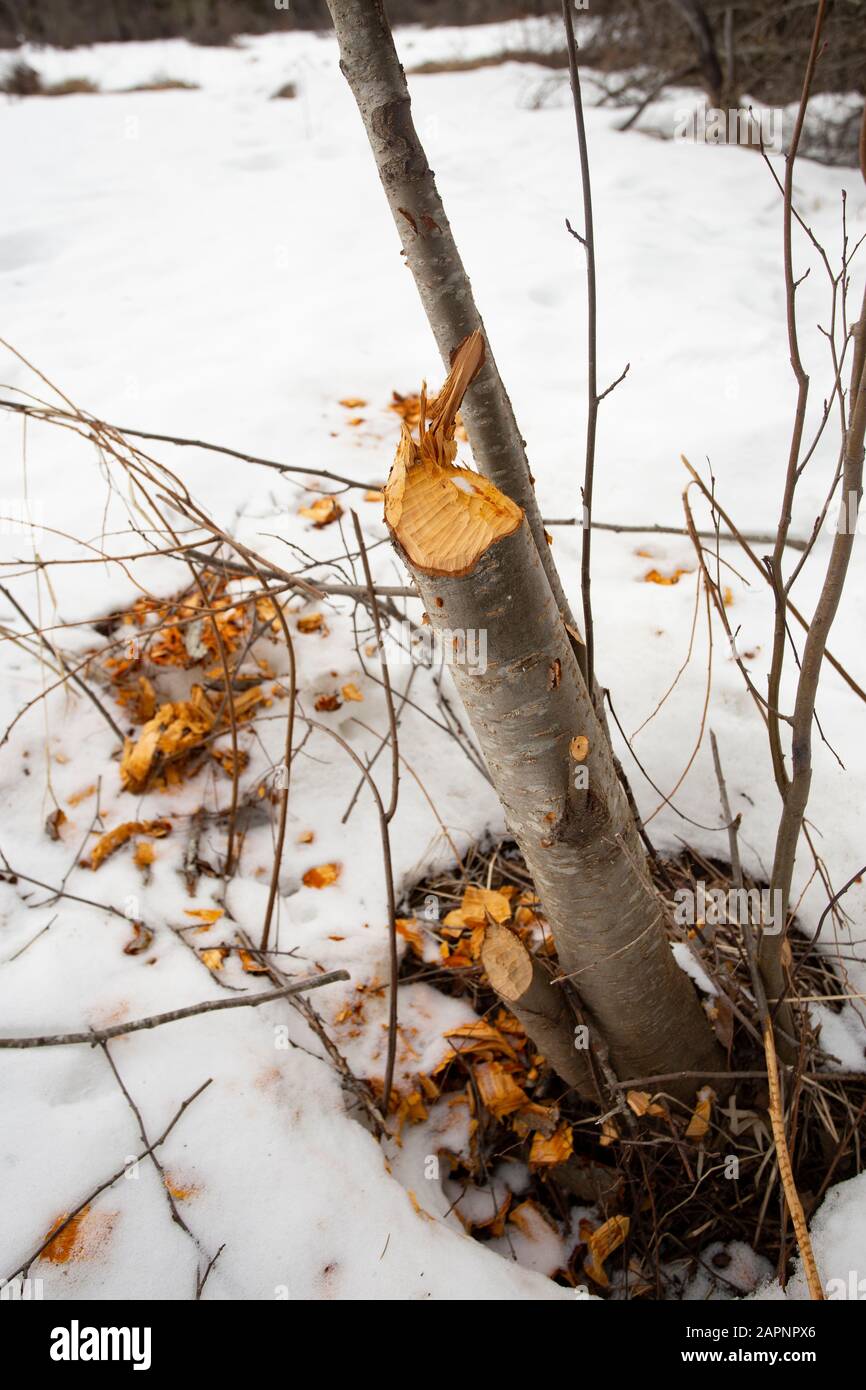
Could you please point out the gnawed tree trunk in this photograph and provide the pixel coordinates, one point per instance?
(369, 61)
(477, 568)
(581, 845)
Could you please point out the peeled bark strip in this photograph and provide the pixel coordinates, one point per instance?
(540, 1007)
(536, 725)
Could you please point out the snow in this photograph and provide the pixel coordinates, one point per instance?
(839, 1244)
(215, 264)
(726, 1269)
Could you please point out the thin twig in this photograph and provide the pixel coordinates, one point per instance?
(587, 241)
(119, 1030)
(392, 901)
(142, 1133)
(103, 1186)
(656, 529)
(386, 678)
(50, 413)
(360, 1090)
(58, 657)
(742, 541)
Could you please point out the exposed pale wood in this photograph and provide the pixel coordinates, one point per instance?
(507, 962)
(445, 517)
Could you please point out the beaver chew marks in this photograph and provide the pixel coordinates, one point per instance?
(445, 517)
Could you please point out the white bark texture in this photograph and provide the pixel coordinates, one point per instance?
(370, 64)
(580, 845)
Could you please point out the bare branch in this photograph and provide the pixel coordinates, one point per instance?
(58, 657)
(103, 1186)
(119, 1030)
(49, 414)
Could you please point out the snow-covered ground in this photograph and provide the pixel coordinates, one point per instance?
(216, 264)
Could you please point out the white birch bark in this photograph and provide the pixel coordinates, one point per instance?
(580, 845)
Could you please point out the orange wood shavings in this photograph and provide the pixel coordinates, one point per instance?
(500, 1093)
(655, 576)
(322, 876)
(476, 904)
(557, 1148)
(78, 1237)
(641, 1103)
(177, 730)
(480, 1037)
(112, 840)
(322, 512)
(699, 1124)
(602, 1243)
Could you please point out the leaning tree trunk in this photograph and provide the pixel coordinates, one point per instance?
(477, 568)
(581, 845)
(370, 64)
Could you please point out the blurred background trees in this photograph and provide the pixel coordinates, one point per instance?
(751, 48)
(216, 21)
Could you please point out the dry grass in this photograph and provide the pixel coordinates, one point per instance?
(164, 84)
(21, 80)
(72, 86)
(556, 59)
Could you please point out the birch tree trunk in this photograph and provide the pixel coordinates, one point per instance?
(472, 555)
(482, 565)
(368, 60)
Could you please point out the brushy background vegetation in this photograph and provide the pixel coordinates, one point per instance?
(767, 39)
(217, 21)
(770, 38)
(751, 50)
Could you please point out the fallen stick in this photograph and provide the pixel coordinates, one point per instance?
(53, 414)
(656, 528)
(783, 1158)
(118, 1030)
